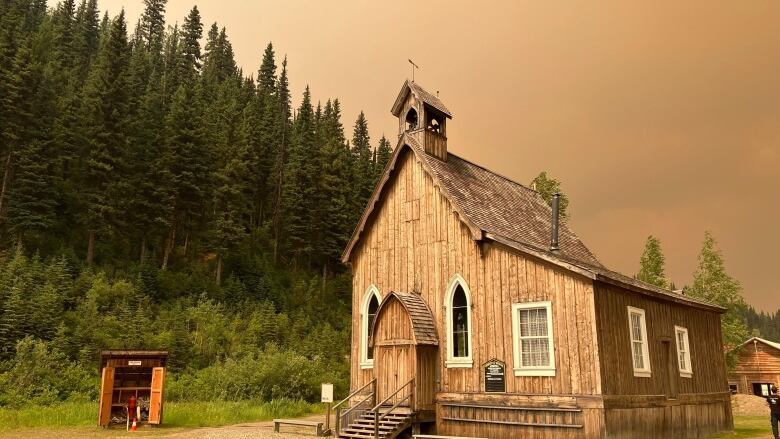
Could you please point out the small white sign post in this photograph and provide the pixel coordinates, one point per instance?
(327, 398)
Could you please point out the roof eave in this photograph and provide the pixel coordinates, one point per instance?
(596, 276)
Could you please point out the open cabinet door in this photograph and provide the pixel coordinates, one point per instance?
(106, 396)
(155, 402)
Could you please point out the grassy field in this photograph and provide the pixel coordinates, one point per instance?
(749, 427)
(177, 414)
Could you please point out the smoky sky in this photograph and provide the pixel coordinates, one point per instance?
(659, 118)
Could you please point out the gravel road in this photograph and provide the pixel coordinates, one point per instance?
(254, 430)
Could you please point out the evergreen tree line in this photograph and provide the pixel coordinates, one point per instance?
(146, 146)
(153, 195)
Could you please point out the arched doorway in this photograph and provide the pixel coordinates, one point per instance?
(405, 348)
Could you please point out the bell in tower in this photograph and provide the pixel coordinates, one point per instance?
(422, 116)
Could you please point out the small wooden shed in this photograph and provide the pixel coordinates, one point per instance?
(136, 373)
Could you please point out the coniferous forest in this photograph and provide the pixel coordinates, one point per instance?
(154, 195)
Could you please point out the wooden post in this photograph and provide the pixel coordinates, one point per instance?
(327, 417)
(338, 420)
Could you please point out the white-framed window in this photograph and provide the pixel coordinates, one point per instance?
(683, 352)
(368, 308)
(640, 352)
(532, 336)
(457, 308)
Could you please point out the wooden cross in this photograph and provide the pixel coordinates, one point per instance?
(414, 66)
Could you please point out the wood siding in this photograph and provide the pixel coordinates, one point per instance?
(416, 242)
(752, 367)
(675, 405)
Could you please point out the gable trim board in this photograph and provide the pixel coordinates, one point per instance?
(573, 256)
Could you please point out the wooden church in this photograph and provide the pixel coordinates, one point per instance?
(476, 314)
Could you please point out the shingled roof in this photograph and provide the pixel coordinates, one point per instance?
(501, 206)
(496, 208)
(411, 86)
(419, 314)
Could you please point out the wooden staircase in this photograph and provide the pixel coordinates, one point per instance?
(390, 426)
(367, 420)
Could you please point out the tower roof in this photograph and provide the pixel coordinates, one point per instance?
(428, 98)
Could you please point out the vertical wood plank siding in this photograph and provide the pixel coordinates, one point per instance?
(639, 406)
(416, 242)
(763, 367)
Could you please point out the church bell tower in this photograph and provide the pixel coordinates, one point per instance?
(424, 117)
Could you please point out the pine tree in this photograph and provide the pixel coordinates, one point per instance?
(104, 122)
(336, 191)
(547, 187)
(184, 168)
(383, 153)
(280, 127)
(153, 23)
(191, 33)
(363, 172)
(651, 264)
(712, 283)
(298, 187)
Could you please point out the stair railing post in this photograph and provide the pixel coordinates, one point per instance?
(376, 424)
(338, 421)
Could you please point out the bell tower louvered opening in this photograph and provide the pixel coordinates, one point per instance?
(422, 115)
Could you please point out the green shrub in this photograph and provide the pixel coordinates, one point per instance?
(266, 376)
(40, 373)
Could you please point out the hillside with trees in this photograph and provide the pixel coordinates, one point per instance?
(155, 195)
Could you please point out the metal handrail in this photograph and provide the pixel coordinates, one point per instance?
(375, 410)
(354, 393)
(394, 393)
(347, 411)
(340, 415)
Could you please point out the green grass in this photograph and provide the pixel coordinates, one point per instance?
(748, 427)
(177, 414)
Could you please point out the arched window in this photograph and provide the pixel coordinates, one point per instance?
(411, 120)
(458, 313)
(368, 308)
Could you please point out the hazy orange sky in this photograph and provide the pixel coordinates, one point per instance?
(659, 117)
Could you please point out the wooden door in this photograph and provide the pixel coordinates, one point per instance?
(669, 358)
(156, 399)
(395, 367)
(106, 396)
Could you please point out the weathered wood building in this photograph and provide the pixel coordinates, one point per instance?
(473, 317)
(757, 369)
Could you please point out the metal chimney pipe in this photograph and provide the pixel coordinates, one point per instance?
(555, 207)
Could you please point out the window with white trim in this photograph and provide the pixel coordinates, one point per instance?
(532, 334)
(683, 352)
(457, 304)
(368, 308)
(640, 353)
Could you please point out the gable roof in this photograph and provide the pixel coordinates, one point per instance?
(419, 314)
(486, 202)
(496, 208)
(759, 339)
(410, 86)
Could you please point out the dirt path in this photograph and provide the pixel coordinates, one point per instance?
(254, 430)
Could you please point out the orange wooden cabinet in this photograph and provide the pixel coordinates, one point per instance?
(126, 373)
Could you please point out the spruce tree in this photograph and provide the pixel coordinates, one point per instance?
(547, 187)
(184, 168)
(191, 33)
(153, 23)
(383, 153)
(651, 264)
(363, 169)
(712, 283)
